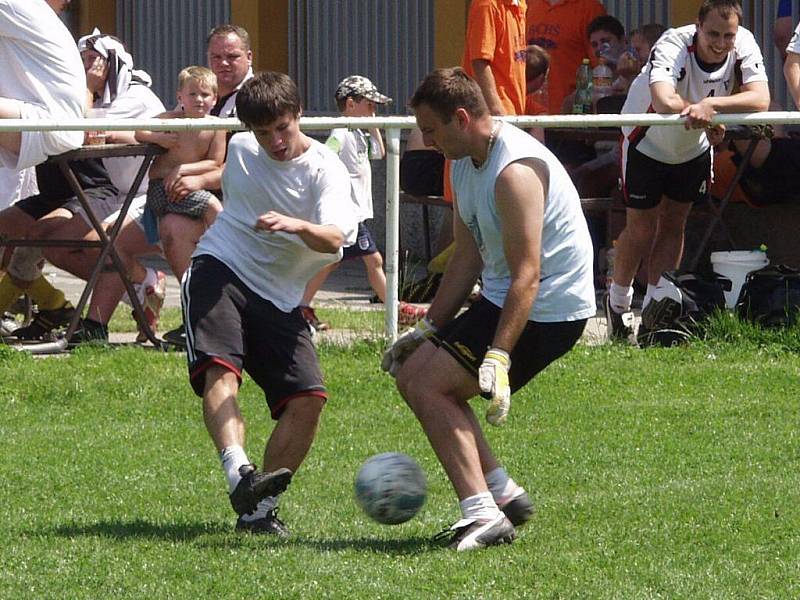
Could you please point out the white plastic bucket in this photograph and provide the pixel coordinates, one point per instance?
(735, 265)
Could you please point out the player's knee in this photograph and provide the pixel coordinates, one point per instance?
(306, 408)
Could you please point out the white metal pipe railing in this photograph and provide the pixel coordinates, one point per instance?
(392, 126)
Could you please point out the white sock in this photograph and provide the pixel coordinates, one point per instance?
(620, 297)
(502, 487)
(267, 504)
(232, 458)
(648, 296)
(479, 507)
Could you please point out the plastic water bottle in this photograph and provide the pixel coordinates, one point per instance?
(602, 78)
(583, 89)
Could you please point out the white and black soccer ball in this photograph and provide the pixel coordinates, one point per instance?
(390, 487)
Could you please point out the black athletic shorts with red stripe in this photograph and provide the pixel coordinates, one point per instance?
(646, 180)
(229, 325)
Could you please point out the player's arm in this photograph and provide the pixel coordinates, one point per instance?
(753, 97)
(519, 194)
(484, 77)
(165, 139)
(791, 70)
(665, 98)
(327, 239)
(460, 275)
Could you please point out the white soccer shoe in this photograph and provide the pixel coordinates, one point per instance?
(473, 534)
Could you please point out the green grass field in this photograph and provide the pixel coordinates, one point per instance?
(656, 474)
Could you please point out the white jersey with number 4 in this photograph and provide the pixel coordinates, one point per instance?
(674, 60)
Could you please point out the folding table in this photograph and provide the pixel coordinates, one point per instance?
(148, 152)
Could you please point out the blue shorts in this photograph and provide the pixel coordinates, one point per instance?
(364, 245)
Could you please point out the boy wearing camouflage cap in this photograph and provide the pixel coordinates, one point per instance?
(356, 96)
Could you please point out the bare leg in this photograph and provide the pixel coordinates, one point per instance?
(293, 435)
(669, 238)
(634, 243)
(375, 275)
(15, 222)
(179, 237)
(221, 410)
(131, 243)
(441, 406)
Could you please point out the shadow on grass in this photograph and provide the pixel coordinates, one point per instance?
(397, 547)
(139, 528)
(186, 532)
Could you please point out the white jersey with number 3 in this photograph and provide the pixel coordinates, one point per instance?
(674, 60)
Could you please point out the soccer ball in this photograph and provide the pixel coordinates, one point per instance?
(390, 488)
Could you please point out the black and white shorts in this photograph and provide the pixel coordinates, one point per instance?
(229, 325)
(469, 336)
(645, 180)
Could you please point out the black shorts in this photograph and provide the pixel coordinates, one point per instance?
(55, 191)
(364, 245)
(229, 325)
(645, 180)
(469, 336)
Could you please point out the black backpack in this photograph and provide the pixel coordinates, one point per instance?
(667, 322)
(770, 296)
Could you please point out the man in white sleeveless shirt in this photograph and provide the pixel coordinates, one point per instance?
(696, 71)
(518, 225)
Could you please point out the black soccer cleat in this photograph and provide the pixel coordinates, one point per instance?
(255, 486)
(45, 322)
(618, 325)
(268, 525)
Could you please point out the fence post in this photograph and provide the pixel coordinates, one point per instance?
(392, 229)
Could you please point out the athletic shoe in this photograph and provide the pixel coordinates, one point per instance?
(473, 534)
(270, 525)
(619, 325)
(153, 301)
(176, 337)
(89, 332)
(255, 486)
(8, 325)
(311, 318)
(518, 509)
(45, 322)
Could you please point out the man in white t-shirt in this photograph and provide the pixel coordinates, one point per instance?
(791, 68)
(695, 71)
(519, 225)
(124, 93)
(42, 79)
(288, 212)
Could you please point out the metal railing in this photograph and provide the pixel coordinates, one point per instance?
(392, 127)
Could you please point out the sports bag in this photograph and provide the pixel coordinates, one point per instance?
(770, 296)
(682, 300)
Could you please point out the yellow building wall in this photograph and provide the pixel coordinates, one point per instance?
(683, 12)
(97, 13)
(267, 22)
(450, 28)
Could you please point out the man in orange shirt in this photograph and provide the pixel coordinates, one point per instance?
(494, 53)
(559, 26)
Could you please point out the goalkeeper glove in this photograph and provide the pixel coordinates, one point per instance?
(405, 345)
(493, 382)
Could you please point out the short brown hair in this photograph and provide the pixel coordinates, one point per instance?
(202, 75)
(446, 90)
(265, 97)
(224, 30)
(725, 8)
(537, 61)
